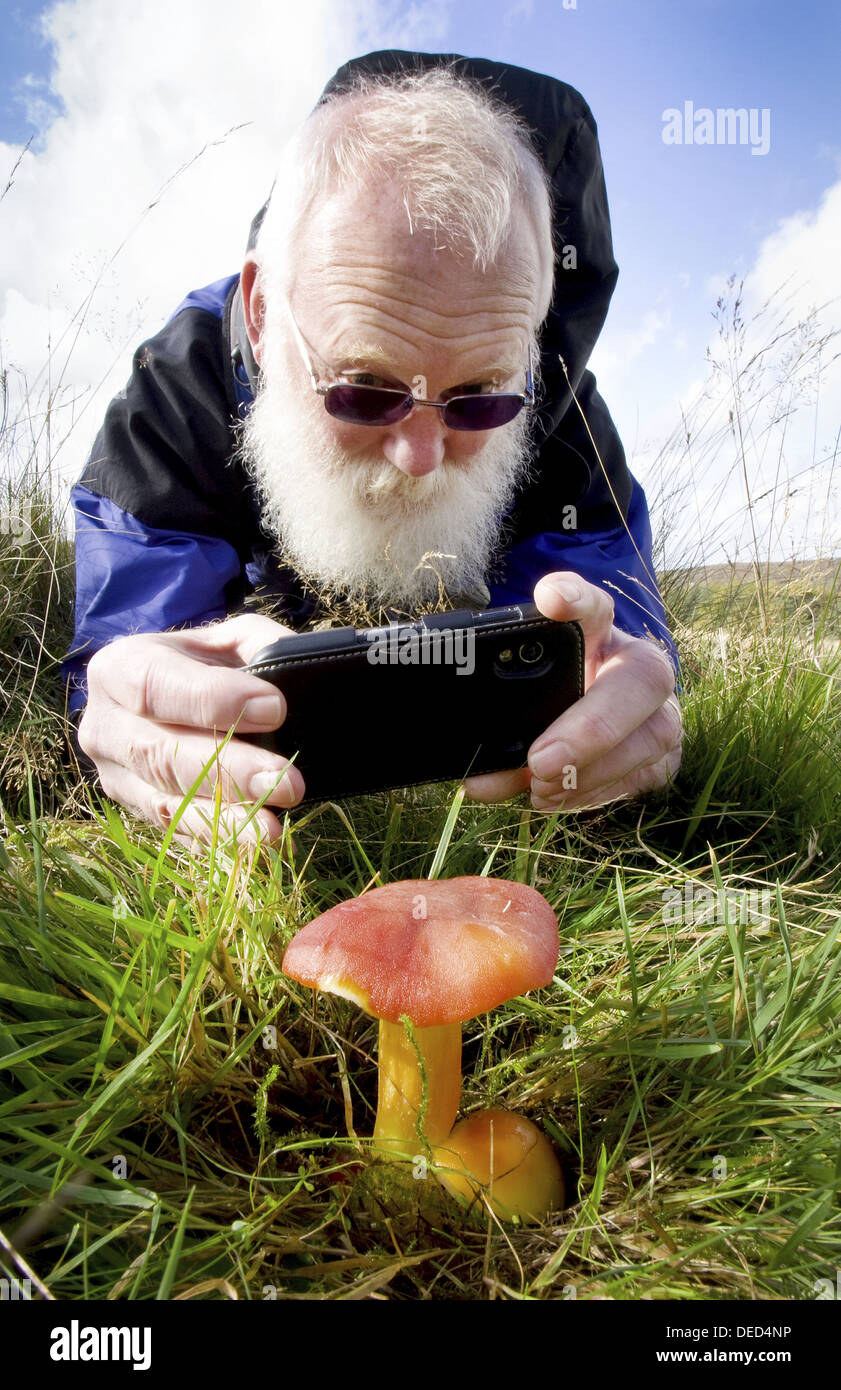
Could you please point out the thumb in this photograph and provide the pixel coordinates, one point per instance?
(566, 597)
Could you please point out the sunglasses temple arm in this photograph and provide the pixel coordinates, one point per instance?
(302, 348)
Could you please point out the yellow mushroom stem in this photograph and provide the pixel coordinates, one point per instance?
(430, 1055)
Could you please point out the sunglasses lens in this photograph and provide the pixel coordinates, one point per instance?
(373, 405)
(367, 405)
(481, 412)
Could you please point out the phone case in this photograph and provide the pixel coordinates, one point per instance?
(449, 696)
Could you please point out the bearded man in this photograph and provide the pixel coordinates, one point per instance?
(437, 236)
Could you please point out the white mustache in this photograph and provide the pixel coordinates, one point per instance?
(386, 482)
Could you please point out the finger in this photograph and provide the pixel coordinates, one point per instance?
(566, 597)
(636, 783)
(201, 821)
(170, 758)
(629, 688)
(658, 736)
(158, 681)
(197, 819)
(497, 786)
(234, 642)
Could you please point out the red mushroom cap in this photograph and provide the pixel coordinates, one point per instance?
(440, 951)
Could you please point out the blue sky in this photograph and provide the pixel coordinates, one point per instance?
(133, 81)
(678, 212)
(25, 63)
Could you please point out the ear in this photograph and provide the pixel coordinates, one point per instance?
(253, 304)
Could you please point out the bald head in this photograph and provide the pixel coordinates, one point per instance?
(459, 163)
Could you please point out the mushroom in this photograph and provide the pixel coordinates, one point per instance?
(508, 1158)
(436, 953)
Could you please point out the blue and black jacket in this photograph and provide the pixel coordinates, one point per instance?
(168, 529)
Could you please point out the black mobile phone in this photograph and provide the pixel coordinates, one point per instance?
(446, 697)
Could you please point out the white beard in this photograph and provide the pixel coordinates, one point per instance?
(357, 524)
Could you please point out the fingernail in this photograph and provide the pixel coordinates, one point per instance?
(264, 783)
(568, 589)
(549, 762)
(264, 709)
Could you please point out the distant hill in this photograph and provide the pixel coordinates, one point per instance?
(821, 573)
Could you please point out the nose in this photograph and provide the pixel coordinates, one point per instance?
(417, 444)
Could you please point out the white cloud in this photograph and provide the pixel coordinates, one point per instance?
(518, 13)
(779, 374)
(804, 251)
(783, 462)
(38, 101)
(715, 285)
(612, 356)
(145, 185)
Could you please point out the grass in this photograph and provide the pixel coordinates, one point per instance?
(36, 595)
(179, 1120)
(160, 1142)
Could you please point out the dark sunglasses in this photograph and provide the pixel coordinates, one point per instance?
(386, 405)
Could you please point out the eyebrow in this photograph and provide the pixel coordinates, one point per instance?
(368, 355)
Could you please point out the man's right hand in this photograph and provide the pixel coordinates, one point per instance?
(159, 705)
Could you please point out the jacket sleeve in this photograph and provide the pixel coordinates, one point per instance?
(162, 518)
(135, 578)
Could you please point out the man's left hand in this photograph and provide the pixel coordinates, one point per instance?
(622, 738)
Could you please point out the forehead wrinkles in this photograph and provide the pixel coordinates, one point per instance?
(357, 319)
(410, 311)
(439, 283)
(361, 264)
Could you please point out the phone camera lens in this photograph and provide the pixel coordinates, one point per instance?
(531, 652)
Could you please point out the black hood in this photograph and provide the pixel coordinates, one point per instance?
(565, 136)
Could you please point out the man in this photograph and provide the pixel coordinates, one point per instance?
(408, 246)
